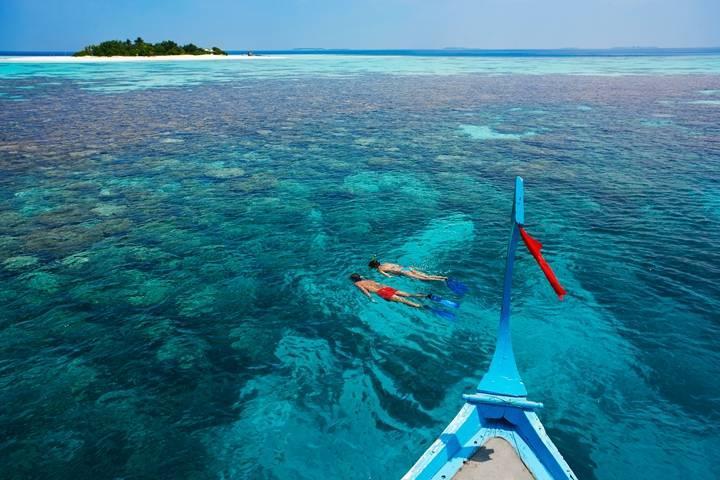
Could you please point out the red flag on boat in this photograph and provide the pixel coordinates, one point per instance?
(534, 247)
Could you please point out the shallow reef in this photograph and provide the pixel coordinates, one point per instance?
(175, 247)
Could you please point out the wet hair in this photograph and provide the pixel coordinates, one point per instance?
(374, 263)
(355, 277)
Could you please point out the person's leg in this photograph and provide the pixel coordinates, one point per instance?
(435, 278)
(406, 294)
(415, 274)
(412, 273)
(399, 299)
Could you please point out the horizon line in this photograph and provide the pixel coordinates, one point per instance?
(414, 49)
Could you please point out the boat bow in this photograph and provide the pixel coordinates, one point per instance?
(497, 433)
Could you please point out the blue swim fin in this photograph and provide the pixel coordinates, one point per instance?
(456, 286)
(443, 301)
(442, 313)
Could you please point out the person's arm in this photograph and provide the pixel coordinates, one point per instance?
(385, 273)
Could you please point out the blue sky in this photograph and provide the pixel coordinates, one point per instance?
(281, 24)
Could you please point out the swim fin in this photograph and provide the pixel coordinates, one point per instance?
(456, 286)
(443, 301)
(442, 313)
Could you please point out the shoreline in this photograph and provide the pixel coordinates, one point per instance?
(158, 58)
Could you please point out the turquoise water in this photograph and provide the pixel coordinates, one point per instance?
(175, 241)
(117, 77)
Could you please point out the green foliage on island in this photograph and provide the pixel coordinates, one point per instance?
(139, 48)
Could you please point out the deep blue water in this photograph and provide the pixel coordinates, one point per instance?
(175, 241)
(476, 52)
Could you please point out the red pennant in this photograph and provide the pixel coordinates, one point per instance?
(534, 247)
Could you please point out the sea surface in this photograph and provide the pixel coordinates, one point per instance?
(176, 240)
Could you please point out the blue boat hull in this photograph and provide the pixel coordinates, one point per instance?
(473, 426)
(499, 408)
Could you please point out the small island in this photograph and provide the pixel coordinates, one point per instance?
(140, 48)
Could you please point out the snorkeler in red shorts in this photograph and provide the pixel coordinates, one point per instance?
(383, 291)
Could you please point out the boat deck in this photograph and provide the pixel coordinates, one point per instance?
(496, 460)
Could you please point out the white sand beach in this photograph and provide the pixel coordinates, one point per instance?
(159, 58)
